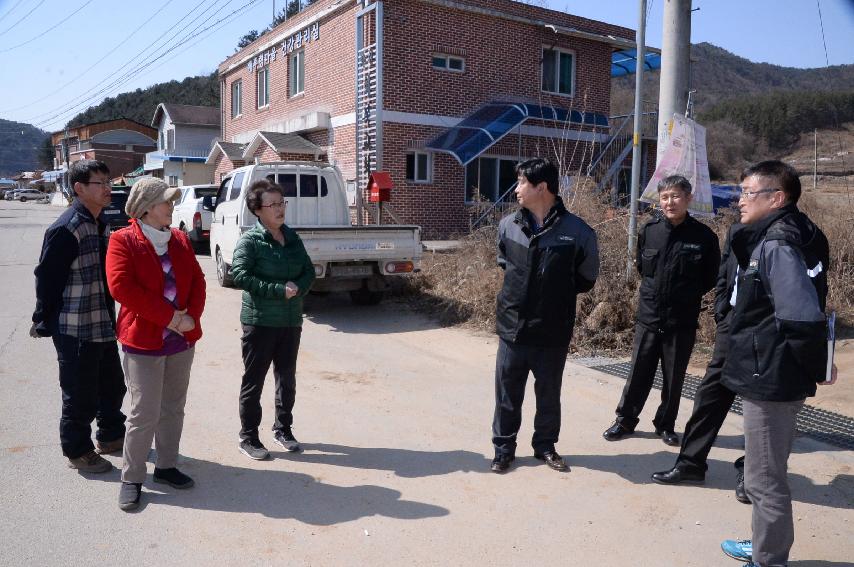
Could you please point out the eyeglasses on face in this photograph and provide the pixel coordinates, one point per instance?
(101, 183)
(276, 205)
(748, 195)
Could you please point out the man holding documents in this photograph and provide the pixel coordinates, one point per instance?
(778, 345)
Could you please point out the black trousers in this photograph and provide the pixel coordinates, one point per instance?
(512, 364)
(711, 405)
(263, 346)
(673, 350)
(93, 387)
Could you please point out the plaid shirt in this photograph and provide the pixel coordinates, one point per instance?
(71, 289)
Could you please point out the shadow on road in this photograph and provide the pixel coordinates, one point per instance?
(403, 462)
(819, 563)
(637, 469)
(389, 317)
(281, 494)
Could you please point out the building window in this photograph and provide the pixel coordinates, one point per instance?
(263, 87)
(236, 98)
(488, 178)
(418, 167)
(162, 145)
(449, 63)
(297, 69)
(170, 140)
(558, 71)
(173, 181)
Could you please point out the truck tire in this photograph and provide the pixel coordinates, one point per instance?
(223, 271)
(364, 296)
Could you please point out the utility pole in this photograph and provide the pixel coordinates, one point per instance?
(640, 53)
(675, 67)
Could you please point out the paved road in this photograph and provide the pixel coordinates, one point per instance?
(394, 413)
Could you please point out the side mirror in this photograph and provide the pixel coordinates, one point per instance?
(209, 203)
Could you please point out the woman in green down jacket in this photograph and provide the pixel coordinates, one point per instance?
(273, 269)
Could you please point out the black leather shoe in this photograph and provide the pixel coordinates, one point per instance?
(669, 437)
(553, 460)
(501, 463)
(740, 492)
(678, 475)
(616, 432)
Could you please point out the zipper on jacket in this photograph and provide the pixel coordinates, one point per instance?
(755, 357)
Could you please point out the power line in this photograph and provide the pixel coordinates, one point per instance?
(23, 17)
(80, 75)
(42, 32)
(12, 9)
(67, 105)
(838, 135)
(117, 83)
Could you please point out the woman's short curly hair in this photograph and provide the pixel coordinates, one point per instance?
(256, 191)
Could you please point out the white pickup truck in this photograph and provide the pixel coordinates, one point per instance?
(356, 259)
(189, 215)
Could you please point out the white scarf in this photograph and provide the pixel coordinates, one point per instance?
(159, 238)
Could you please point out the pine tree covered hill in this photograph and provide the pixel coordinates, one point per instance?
(719, 75)
(139, 105)
(20, 151)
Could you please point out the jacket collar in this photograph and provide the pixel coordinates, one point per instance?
(526, 221)
(747, 236)
(286, 231)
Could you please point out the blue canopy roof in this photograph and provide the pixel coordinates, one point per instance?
(488, 124)
(625, 62)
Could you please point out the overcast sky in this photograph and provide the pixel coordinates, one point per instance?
(57, 57)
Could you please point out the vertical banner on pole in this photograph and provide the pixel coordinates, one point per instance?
(685, 155)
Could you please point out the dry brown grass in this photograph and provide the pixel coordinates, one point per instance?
(459, 287)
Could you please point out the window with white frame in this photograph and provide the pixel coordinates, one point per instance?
(236, 98)
(418, 167)
(173, 181)
(558, 70)
(297, 70)
(263, 87)
(449, 63)
(488, 178)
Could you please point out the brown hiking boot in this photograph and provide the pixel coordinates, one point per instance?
(110, 446)
(91, 462)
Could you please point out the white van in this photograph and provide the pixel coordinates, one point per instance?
(349, 258)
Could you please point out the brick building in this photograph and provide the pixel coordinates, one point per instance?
(445, 95)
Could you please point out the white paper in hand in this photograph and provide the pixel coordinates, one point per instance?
(831, 345)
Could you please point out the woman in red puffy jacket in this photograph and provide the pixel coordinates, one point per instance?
(153, 273)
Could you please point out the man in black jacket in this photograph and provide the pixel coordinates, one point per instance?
(678, 258)
(777, 349)
(713, 400)
(549, 256)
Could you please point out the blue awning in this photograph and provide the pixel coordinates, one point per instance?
(625, 62)
(488, 124)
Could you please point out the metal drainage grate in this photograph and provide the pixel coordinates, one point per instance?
(826, 426)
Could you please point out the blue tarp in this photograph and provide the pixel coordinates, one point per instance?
(625, 62)
(724, 195)
(488, 124)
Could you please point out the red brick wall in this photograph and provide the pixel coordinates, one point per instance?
(329, 74)
(502, 61)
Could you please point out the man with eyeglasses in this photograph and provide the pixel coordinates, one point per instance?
(74, 307)
(677, 258)
(777, 345)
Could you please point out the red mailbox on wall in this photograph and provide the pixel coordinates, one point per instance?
(379, 187)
